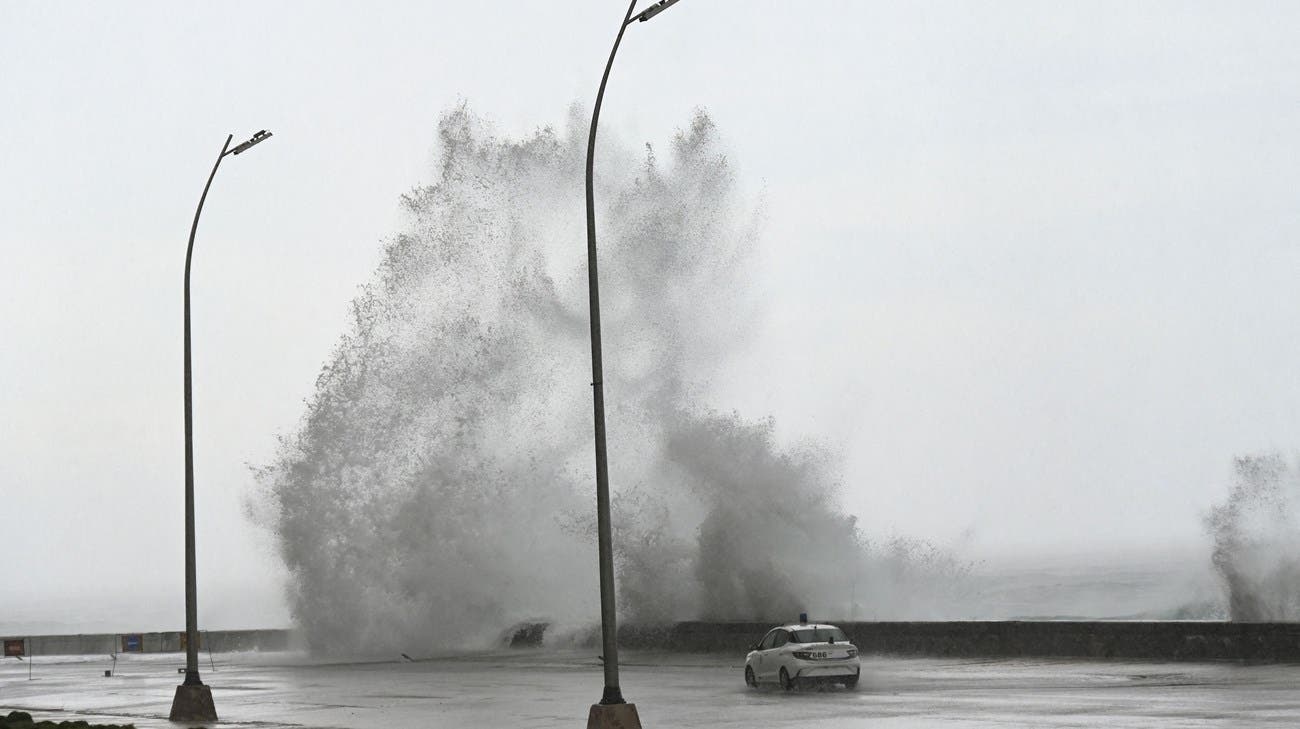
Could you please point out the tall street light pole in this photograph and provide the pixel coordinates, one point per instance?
(612, 709)
(193, 700)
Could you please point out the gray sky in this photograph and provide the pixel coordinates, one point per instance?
(1031, 267)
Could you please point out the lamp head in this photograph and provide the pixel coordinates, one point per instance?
(653, 10)
(255, 139)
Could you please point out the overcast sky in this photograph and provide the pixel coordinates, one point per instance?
(1031, 267)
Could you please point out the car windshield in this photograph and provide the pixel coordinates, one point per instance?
(819, 635)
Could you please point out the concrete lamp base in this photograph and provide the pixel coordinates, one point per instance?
(193, 703)
(613, 716)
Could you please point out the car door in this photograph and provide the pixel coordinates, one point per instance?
(776, 654)
(761, 670)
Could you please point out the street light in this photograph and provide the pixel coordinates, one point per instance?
(612, 709)
(193, 700)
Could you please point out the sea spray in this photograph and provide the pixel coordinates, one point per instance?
(1256, 534)
(439, 487)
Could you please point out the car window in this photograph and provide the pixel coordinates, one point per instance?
(820, 635)
(768, 640)
(781, 639)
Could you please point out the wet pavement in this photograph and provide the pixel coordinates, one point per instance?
(542, 688)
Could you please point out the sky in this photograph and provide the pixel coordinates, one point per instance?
(1030, 268)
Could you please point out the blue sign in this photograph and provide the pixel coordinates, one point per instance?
(133, 643)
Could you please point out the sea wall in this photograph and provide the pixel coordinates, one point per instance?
(1146, 640)
(1150, 640)
(1153, 640)
(217, 641)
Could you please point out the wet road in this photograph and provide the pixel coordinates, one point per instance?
(540, 689)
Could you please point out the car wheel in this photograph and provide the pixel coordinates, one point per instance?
(787, 683)
(852, 681)
(749, 678)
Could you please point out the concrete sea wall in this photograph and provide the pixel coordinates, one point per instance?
(1177, 641)
(1144, 640)
(218, 641)
(1150, 640)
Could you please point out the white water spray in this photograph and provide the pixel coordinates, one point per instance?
(440, 488)
(1257, 540)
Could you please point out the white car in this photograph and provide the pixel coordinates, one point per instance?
(802, 653)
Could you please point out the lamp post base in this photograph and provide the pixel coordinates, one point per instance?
(194, 703)
(613, 716)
